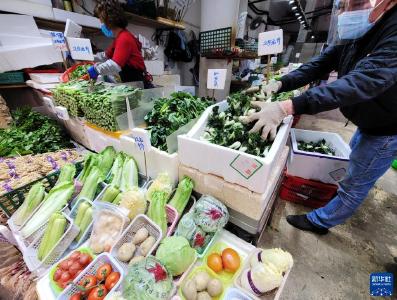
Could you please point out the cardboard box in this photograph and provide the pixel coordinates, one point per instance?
(237, 167)
(247, 209)
(317, 166)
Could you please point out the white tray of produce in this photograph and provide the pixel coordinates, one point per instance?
(140, 222)
(30, 254)
(271, 295)
(73, 214)
(317, 166)
(234, 166)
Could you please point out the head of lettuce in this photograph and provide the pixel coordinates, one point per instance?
(176, 254)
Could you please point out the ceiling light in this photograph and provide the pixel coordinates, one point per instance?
(300, 18)
(294, 7)
(312, 36)
(291, 2)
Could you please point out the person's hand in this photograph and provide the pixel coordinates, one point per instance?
(269, 117)
(272, 87)
(92, 72)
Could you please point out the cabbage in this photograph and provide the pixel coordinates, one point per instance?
(176, 254)
(147, 280)
(277, 258)
(260, 279)
(210, 214)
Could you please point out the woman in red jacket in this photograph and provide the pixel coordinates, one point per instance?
(124, 56)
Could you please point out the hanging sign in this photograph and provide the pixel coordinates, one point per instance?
(270, 42)
(80, 49)
(216, 79)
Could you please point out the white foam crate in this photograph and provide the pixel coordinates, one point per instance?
(317, 166)
(91, 270)
(158, 161)
(140, 221)
(77, 130)
(99, 140)
(272, 295)
(30, 255)
(229, 163)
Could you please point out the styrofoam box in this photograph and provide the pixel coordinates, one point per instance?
(317, 166)
(84, 20)
(234, 166)
(42, 10)
(45, 77)
(99, 140)
(158, 161)
(77, 130)
(155, 67)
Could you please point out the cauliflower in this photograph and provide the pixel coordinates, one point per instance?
(134, 201)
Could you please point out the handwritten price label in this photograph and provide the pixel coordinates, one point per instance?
(216, 79)
(270, 42)
(58, 40)
(80, 49)
(142, 139)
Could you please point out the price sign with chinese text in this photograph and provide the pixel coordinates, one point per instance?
(80, 49)
(58, 40)
(142, 139)
(216, 79)
(270, 42)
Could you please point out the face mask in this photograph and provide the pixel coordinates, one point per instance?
(106, 31)
(354, 24)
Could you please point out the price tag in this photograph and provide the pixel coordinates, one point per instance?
(58, 40)
(80, 49)
(62, 113)
(49, 103)
(216, 79)
(141, 138)
(270, 42)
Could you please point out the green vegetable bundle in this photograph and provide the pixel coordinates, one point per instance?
(169, 114)
(225, 129)
(318, 147)
(79, 72)
(69, 96)
(32, 133)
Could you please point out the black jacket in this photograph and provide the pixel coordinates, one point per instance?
(366, 89)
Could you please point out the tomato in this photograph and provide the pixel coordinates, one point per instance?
(98, 293)
(103, 271)
(77, 296)
(88, 282)
(75, 255)
(57, 274)
(85, 259)
(111, 280)
(65, 276)
(74, 268)
(230, 260)
(64, 284)
(64, 265)
(214, 262)
(77, 273)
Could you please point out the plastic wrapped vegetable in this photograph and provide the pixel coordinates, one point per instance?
(90, 161)
(210, 214)
(33, 199)
(134, 200)
(129, 175)
(182, 194)
(90, 185)
(116, 170)
(147, 280)
(279, 259)
(260, 279)
(162, 183)
(176, 254)
(157, 211)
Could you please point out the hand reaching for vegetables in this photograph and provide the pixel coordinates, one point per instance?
(269, 117)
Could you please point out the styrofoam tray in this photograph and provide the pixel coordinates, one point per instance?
(45, 77)
(274, 295)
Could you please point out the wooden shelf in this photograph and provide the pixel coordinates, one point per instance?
(60, 25)
(159, 23)
(13, 86)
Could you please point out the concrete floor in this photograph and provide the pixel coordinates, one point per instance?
(337, 265)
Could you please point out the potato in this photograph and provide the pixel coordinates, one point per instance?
(203, 296)
(189, 290)
(201, 279)
(214, 287)
(126, 252)
(147, 245)
(140, 236)
(135, 260)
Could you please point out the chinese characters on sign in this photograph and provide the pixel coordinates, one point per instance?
(270, 42)
(139, 142)
(80, 49)
(245, 166)
(381, 284)
(216, 79)
(141, 139)
(58, 40)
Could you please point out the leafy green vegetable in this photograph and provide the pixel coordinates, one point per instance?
(169, 114)
(157, 211)
(107, 158)
(68, 172)
(79, 71)
(32, 200)
(176, 254)
(225, 129)
(32, 133)
(129, 177)
(117, 170)
(318, 147)
(90, 185)
(182, 194)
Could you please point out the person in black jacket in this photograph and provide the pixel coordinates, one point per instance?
(363, 51)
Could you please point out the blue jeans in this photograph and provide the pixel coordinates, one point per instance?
(370, 158)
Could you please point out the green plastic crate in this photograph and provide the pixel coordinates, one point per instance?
(10, 201)
(12, 77)
(394, 165)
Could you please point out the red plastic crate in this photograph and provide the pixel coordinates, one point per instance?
(307, 192)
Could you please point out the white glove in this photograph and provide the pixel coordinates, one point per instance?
(272, 87)
(108, 67)
(100, 57)
(267, 119)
